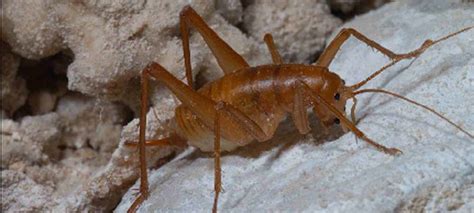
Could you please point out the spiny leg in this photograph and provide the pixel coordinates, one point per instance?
(268, 38)
(217, 156)
(222, 109)
(172, 140)
(144, 193)
(320, 100)
(227, 58)
(330, 52)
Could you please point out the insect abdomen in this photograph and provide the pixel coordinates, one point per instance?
(256, 92)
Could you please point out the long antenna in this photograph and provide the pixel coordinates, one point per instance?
(415, 103)
(412, 54)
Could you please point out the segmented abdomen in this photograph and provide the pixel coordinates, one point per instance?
(257, 92)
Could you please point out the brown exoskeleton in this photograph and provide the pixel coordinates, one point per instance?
(248, 103)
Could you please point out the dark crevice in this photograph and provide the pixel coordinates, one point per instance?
(48, 74)
(346, 12)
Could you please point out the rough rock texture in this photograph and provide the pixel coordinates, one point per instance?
(294, 173)
(104, 190)
(299, 28)
(52, 155)
(231, 10)
(116, 45)
(91, 122)
(111, 41)
(13, 89)
(47, 82)
(42, 102)
(30, 28)
(33, 141)
(18, 189)
(349, 7)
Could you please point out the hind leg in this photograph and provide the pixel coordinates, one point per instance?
(227, 58)
(203, 107)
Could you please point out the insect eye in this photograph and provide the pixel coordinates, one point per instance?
(337, 121)
(337, 96)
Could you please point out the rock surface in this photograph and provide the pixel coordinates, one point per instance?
(352, 7)
(296, 173)
(298, 27)
(13, 88)
(46, 158)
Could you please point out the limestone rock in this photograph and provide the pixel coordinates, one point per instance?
(299, 28)
(13, 88)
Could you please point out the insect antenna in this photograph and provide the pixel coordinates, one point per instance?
(413, 102)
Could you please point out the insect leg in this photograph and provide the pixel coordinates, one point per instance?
(268, 38)
(210, 113)
(319, 100)
(173, 140)
(299, 114)
(217, 156)
(330, 52)
(200, 105)
(144, 193)
(320, 111)
(227, 58)
(204, 107)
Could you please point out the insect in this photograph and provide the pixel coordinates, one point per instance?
(248, 103)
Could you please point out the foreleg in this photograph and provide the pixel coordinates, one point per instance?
(347, 123)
